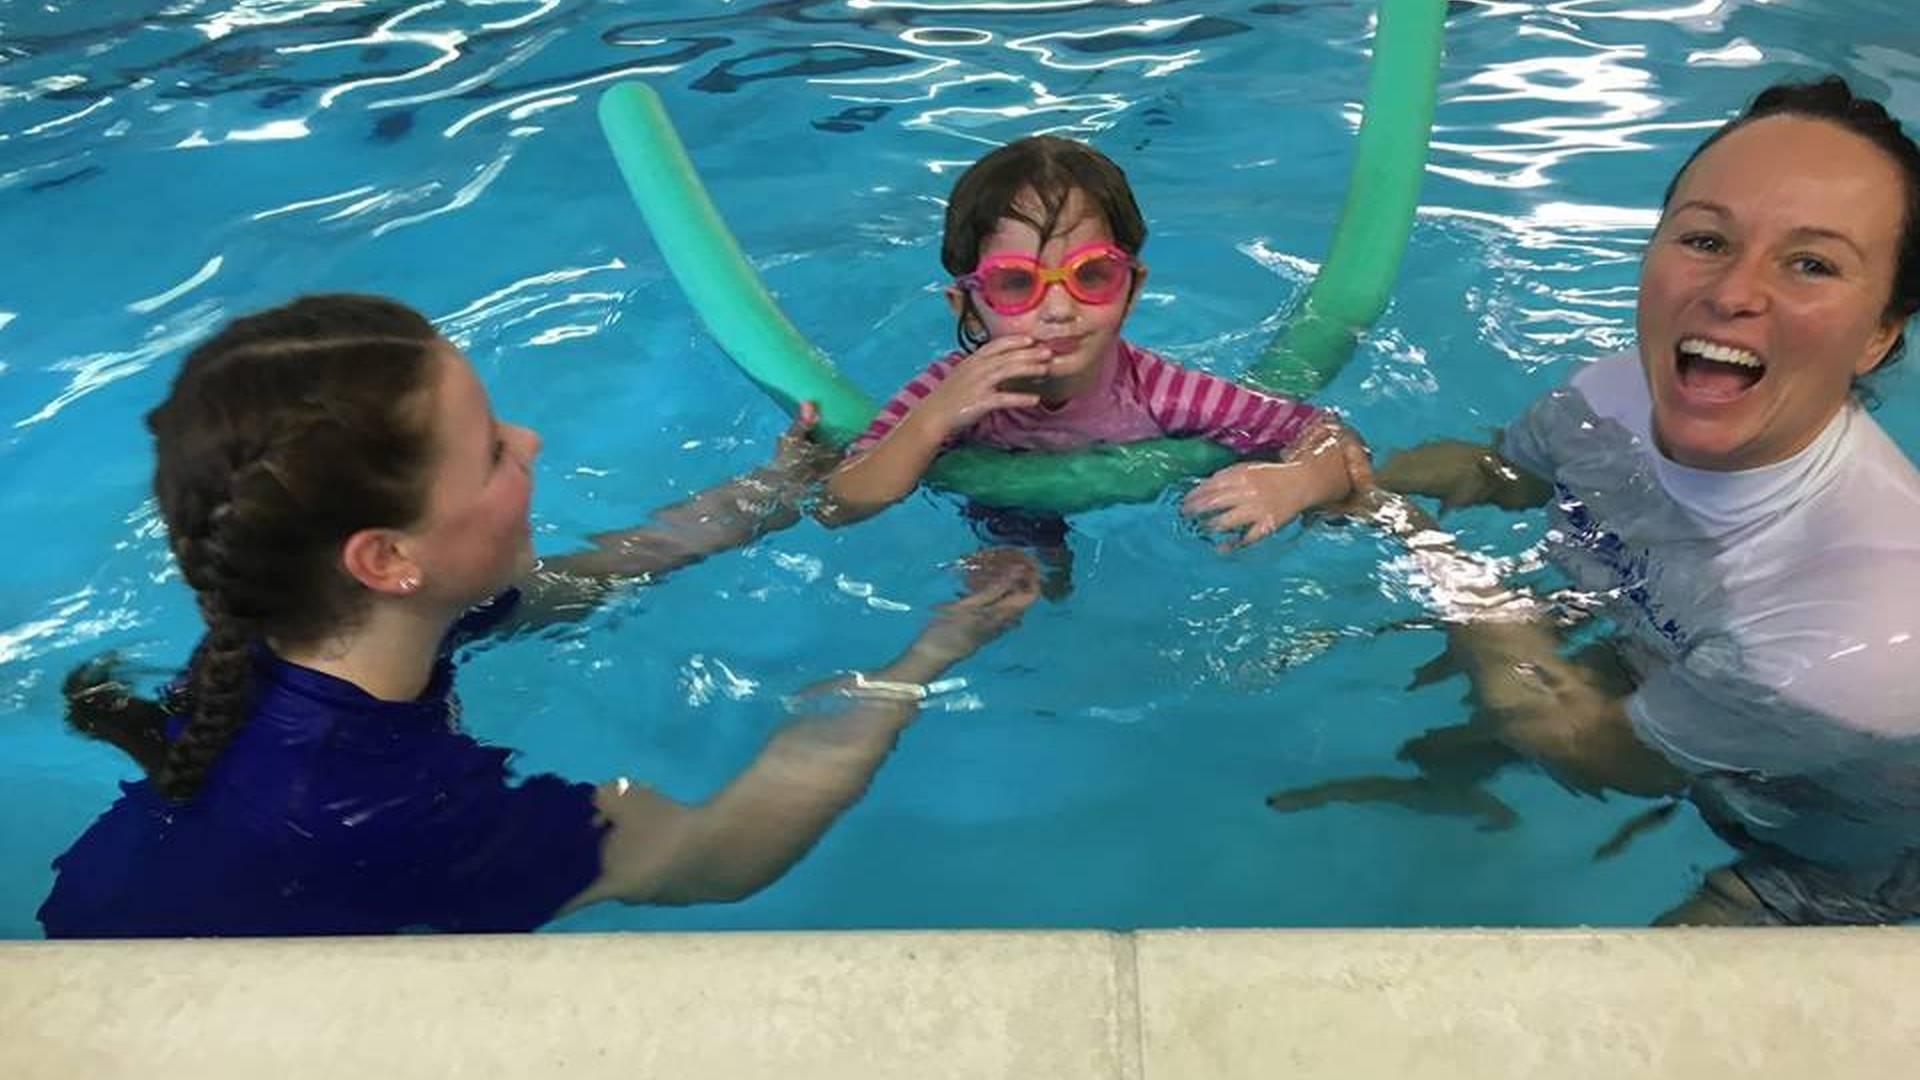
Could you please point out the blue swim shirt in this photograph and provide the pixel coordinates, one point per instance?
(333, 812)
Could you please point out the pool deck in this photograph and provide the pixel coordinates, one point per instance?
(1214, 1004)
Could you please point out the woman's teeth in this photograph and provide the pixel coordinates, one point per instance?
(1716, 372)
(1724, 354)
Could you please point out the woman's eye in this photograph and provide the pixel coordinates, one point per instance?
(1702, 242)
(1813, 266)
(499, 450)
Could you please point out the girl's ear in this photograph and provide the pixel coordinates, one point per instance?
(972, 331)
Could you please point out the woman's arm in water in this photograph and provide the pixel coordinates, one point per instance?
(1567, 713)
(717, 519)
(660, 851)
(1462, 474)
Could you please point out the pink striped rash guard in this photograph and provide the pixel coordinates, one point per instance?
(1141, 396)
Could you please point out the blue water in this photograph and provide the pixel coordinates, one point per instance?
(164, 166)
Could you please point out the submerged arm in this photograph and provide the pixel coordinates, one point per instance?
(760, 824)
(1463, 474)
(1568, 713)
(717, 519)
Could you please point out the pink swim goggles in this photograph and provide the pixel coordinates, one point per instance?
(1013, 284)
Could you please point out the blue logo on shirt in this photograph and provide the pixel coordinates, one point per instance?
(1632, 567)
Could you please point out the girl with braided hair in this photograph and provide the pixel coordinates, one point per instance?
(345, 506)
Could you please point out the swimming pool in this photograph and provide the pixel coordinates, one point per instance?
(164, 168)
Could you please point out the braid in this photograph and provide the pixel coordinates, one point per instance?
(212, 554)
(219, 692)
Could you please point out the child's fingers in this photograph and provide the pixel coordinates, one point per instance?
(1204, 495)
(1008, 399)
(1233, 483)
(1025, 364)
(1238, 516)
(1021, 354)
(993, 567)
(999, 345)
(1215, 494)
(1260, 530)
(994, 603)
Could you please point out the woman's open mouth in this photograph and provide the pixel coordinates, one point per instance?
(1712, 373)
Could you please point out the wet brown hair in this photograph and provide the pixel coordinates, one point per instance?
(284, 434)
(1051, 169)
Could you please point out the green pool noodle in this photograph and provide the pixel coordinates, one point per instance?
(713, 272)
(1355, 281)
(1347, 294)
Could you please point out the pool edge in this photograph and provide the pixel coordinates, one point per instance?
(1153, 1004)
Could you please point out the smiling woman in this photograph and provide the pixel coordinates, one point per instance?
(1746, 525)
(1770, 286)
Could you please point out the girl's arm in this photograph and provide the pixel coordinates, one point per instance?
(664, 852)
(1249, 422)
(885, 473)
(887, 462)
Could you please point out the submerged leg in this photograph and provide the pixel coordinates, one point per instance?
(1453, 762)
(1461, 754)
(1722, 900)
(1635, 825)
(1426, 795)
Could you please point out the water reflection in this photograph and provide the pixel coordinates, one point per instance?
(1604, 101)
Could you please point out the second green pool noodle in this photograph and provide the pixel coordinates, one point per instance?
(1352, 287)
(1346, 295)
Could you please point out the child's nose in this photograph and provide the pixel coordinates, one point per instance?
(1057, 302)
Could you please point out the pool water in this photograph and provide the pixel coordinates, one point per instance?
(164, 166)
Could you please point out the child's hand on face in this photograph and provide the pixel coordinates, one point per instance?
(980, 384)
(1327, 466)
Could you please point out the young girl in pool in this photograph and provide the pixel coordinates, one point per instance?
(1043, 237)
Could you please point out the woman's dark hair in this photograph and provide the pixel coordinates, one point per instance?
(1832, 100)
(284, 434)
(1052, 169)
